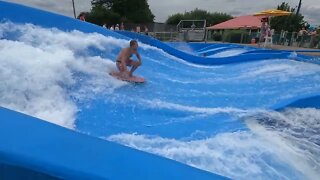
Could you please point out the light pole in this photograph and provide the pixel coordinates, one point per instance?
(74, 9)
(299, 6)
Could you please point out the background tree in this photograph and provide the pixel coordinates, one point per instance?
(115, 11)
(137, 11)
(100, 15)
(104, 3)
(291, 23)
(198, 14)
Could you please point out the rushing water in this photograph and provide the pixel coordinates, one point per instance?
(216, 118)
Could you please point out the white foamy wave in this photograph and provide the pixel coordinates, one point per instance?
(281, 70)
(296, 132)
(193, 64)
(211, 49)
(228, 53)
(158, 104)
(171, 57)
(239, 155)
(183, 47)
(43, 70)
(44, 38)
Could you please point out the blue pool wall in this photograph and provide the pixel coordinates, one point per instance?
(36, 149)
(204, 60)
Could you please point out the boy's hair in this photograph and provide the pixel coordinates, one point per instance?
(133, 42)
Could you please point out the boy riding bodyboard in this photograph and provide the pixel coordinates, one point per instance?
(124, 60)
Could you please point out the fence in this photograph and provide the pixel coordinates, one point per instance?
(280, 38)
(165, 32)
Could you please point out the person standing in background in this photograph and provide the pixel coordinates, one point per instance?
(146, 30)
(122, 26)
(301, 36)
(117, 27)
(263, 30)
(138, 30)
(105, 25)
(313, 38)
(82, 16)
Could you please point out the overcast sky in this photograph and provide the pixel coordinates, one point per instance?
(163, 8)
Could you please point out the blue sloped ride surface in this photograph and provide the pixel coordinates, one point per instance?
(201, 60)
(38, 146)
(34, 149)
(238, 112)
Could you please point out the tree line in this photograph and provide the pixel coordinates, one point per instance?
(198, 14)
(116, 11)
(138, 12)
(291, 23)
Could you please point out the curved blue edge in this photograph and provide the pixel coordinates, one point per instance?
(35, 149)
(205, 60)
(39, 146)
(254, 54)
(38, 149)
(303, 101)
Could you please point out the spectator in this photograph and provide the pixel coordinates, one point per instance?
(301, 35)
(104, 25)
(112, 28)
(313, 38)
(122, 26)
(82, 16)
(263, 30)
(146, 30)
(117, 27)
(138, 30)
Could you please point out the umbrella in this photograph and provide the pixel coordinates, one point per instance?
(272, 13)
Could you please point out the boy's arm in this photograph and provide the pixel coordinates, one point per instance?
(138, 56)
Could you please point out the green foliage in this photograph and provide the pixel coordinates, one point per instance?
(115, 11)
(175, 19)
(100, 15)
(198, 14)
(104, 3)
(291, 23)
(136, 11)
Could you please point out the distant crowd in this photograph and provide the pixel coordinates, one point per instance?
(118, 27)
(310, 34)
(306, 37)
(121, 27)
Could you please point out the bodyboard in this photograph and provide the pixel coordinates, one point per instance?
(132, 79)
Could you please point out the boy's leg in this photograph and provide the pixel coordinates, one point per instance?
(134, 65)
(122, 69)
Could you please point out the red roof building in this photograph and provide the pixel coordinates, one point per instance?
(241, 22)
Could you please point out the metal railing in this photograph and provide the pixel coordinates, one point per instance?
(192, 30)
(282, 38)
(243, 37)
(165, 36)
(184, 32)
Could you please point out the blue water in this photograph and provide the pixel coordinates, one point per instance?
(217, 118)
